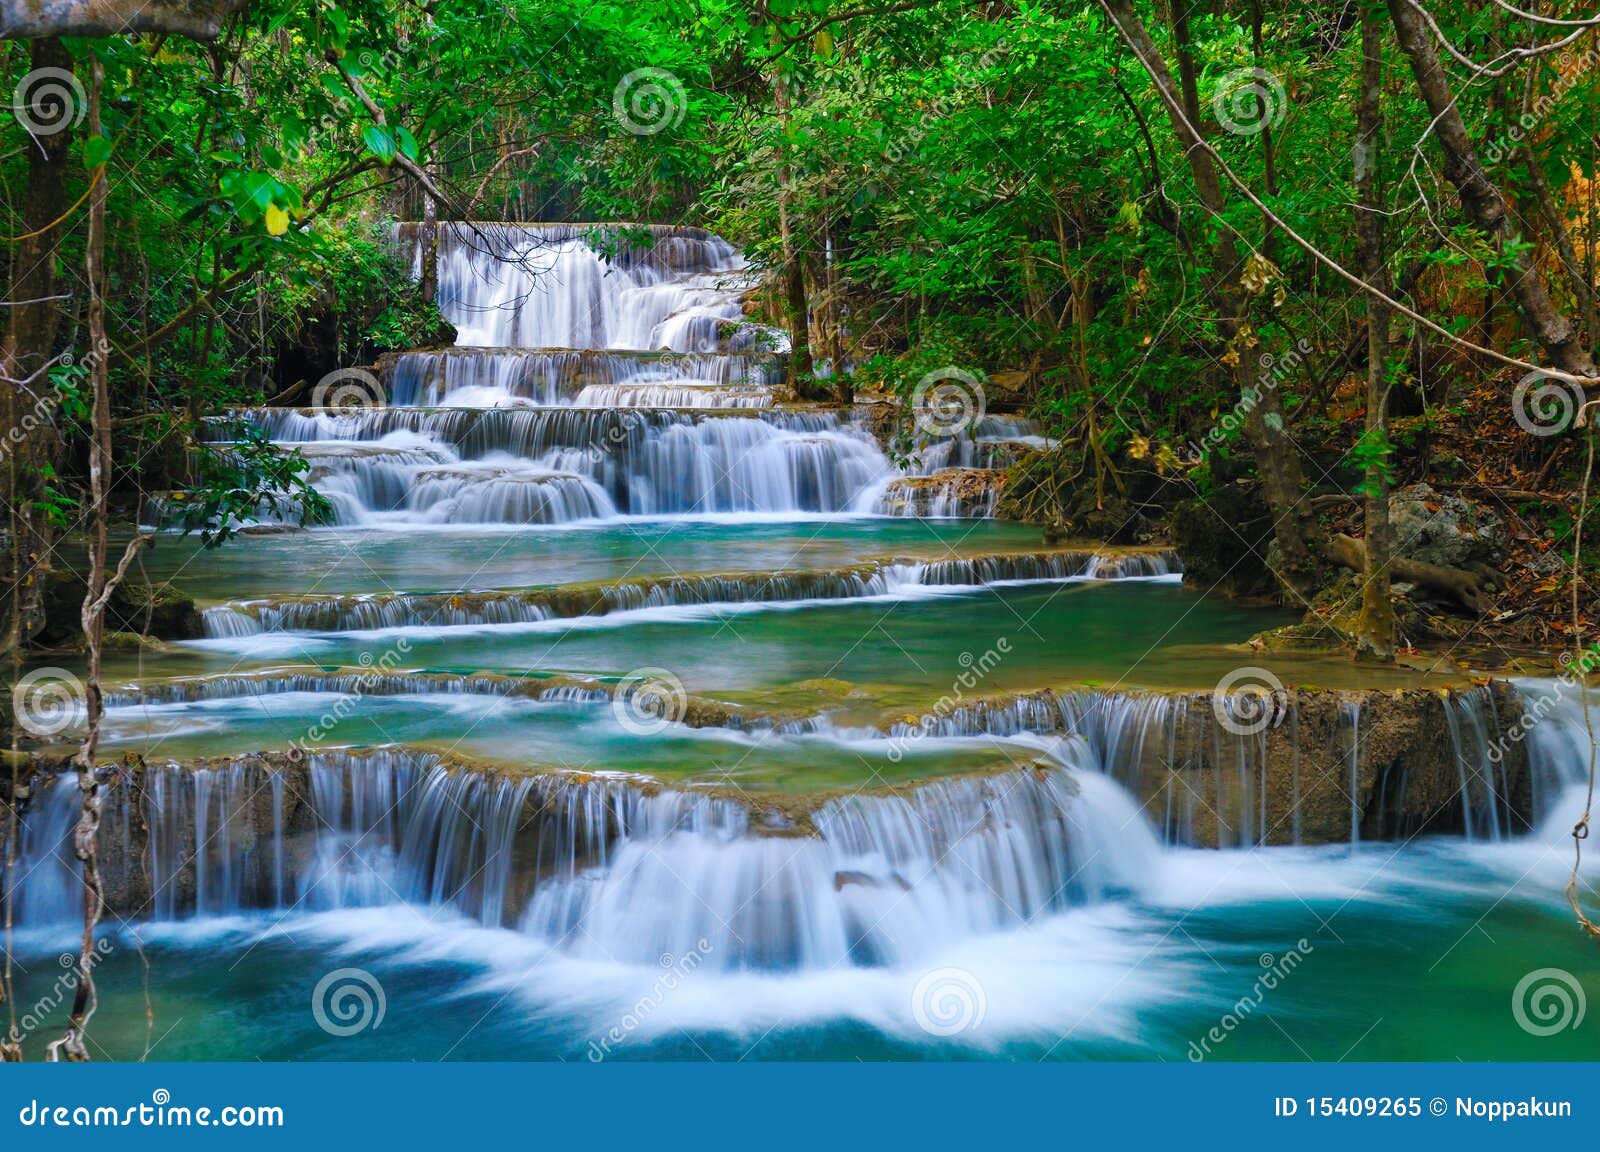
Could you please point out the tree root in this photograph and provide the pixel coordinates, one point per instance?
(1459, 584)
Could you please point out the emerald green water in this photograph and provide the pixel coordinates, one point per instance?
(1129, 632)
(377, 560)
(544, 736)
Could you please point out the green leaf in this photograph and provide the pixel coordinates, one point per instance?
(96, 151)
(380, 142)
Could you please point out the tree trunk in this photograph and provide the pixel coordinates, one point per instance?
(428, 239)
(1294, 525)
(1483, 201)
(802, 372)
(25, 357)
(1375, 628)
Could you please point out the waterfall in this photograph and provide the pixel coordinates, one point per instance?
(486, 377)
(557, 466)
(609, 867)
(602, 373)
(48, 889)
(565, 286)
(366, 612)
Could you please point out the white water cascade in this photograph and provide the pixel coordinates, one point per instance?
(605, 868)
(613, 868)
(604, 372)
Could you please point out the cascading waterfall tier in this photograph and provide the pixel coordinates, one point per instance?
(617, 868)
(608, 371)
(552, 377)
(640, 287)
(626, 869)
(421, 465)
(519, 606)
(1330, 767)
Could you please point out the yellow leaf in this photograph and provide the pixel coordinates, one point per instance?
(277, 220)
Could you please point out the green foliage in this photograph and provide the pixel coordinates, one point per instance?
(250, 479)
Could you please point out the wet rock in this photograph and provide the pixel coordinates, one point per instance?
(154, 610)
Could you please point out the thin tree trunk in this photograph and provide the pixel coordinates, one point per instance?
(1375, 628)
(1294, 525)
(71, 1045)
(1480, 197)
(428, 238)
(25, 357)
(802, 372)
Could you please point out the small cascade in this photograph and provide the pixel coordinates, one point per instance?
(947, 493)
(1485, 795)
(1559, 739)
(993, 443)
(645, 287)
(874, 578)
(49, 890)
(612, 868)
(487, 377)
(556, 466)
